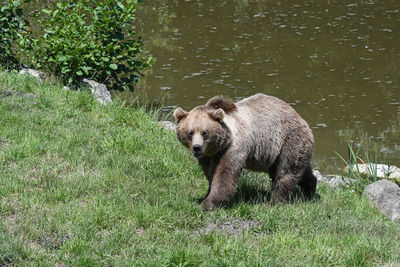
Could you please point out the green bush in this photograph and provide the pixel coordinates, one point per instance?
(13, 28)
(92, 39)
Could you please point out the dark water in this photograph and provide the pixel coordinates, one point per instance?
(336, 62)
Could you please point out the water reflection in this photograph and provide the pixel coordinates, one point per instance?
(336, 63)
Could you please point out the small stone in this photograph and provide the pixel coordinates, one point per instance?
(99, 91)
(167, 125)
(66, 88)
(339, 181)
(333, 181)
(39, 75)
(320, 178)
(385, 196)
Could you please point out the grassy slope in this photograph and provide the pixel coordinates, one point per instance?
(83, 184)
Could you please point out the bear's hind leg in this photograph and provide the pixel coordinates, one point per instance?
(308, 183)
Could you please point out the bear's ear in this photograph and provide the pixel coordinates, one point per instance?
(220, 102)
(218, 114)
(179, 114)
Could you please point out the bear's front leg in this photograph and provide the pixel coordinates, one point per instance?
(223, 184)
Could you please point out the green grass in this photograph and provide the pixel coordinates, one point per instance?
(83, 184)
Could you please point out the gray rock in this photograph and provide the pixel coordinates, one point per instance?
(99, 91)
(39, 75)
(334, 181)
(339, 181)
(385, 196)
(320, 178)
(167, 125)
(382, 171)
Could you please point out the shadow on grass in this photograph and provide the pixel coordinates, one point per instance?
(252, 193)
(258, 189)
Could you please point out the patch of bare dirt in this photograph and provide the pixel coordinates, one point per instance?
(54, 241)
(16, 93)
(3, 142)
(235, 227)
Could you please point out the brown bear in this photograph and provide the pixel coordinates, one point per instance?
(259, 133)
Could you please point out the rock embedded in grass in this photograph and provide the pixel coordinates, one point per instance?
(334, 181)
(320, 178)
(99, 91)
(339, 181)
(385, 196)
(39, 75)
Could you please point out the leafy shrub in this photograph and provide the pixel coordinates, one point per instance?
(92, 39)
(13, 27)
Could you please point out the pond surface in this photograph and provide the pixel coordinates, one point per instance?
(336, 62)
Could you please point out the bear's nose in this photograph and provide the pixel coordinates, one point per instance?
(196, 148)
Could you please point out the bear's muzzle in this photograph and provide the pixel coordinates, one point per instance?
(197, 151)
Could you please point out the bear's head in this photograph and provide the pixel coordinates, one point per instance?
(202, 130)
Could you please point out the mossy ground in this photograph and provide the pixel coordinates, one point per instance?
(83, 184)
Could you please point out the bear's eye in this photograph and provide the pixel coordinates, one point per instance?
(190, 133)
(204, 133)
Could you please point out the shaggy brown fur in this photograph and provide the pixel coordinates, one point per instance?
(260, 133)
(220, 102)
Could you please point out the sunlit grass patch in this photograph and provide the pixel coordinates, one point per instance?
(84, 184)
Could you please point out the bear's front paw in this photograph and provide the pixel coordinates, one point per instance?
(207, 205)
